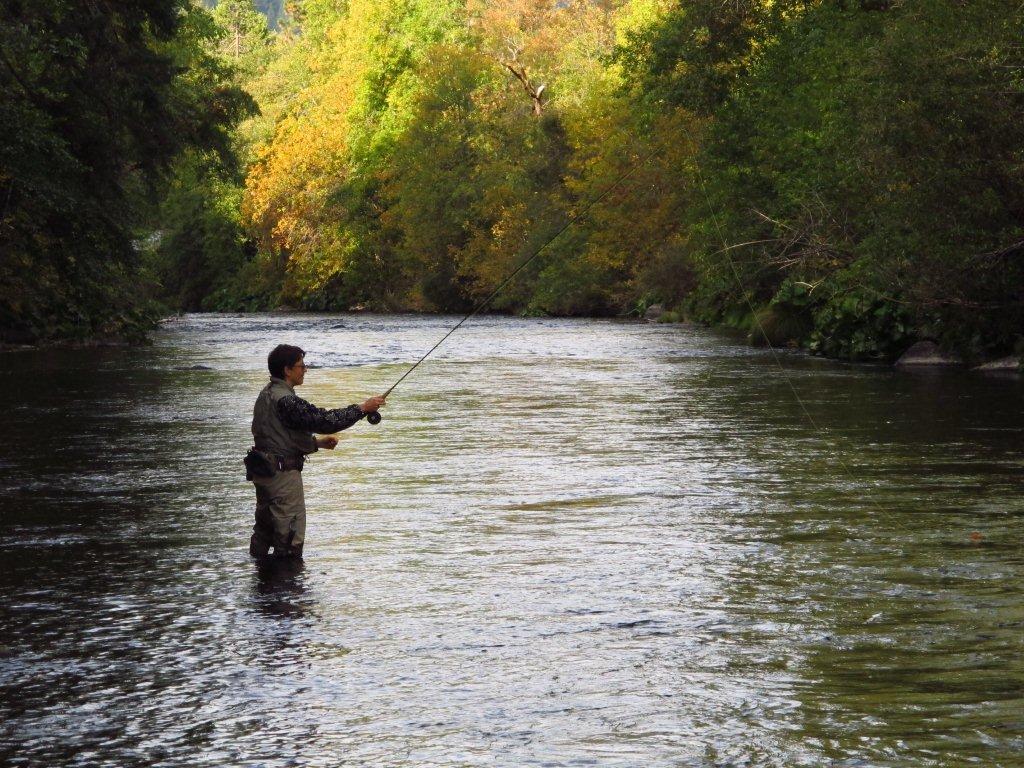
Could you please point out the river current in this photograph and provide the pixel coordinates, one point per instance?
(569, 543)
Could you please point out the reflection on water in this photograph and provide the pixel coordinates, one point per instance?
(568, 543)
(280, 589)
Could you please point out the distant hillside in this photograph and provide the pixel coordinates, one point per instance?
(272, 9)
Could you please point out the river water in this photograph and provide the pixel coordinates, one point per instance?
(568, 543)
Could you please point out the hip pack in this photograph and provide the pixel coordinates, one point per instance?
(259, 464)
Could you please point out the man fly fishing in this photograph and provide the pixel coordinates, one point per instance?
(282, 427)
(283, 423)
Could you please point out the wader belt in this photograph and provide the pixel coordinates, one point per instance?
(289, 462)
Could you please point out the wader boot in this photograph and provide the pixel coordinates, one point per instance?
(294, 552)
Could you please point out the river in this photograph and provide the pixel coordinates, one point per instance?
(569, 542)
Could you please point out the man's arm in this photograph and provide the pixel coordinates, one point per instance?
(297, 413)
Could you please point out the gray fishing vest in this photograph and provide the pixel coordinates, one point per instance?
(269, 432)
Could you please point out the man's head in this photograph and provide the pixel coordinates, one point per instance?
(285, 362)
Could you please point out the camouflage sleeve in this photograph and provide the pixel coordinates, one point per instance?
(296, 413)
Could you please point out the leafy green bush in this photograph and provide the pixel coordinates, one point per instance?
(858, 324)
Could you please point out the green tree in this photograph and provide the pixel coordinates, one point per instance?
(96, 101)
(245, 37)
(845, 175)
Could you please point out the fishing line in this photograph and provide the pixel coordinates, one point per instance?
(764, 334)
(374, 418)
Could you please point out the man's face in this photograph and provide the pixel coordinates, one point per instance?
(295, 373)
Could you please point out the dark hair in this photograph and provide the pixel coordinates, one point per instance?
(281, 357)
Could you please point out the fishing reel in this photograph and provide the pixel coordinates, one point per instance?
(373, 417)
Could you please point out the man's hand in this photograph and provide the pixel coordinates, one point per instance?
(373, 404)
(327, 441)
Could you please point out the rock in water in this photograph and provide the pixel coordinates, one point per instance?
(927, 353)
(654, 312)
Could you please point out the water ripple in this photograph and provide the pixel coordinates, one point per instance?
(568, 543)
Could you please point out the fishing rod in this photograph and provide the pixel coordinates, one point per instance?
(375, 417)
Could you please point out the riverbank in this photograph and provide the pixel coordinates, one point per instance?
(77, 343)
(916, 354)
(51, 327)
